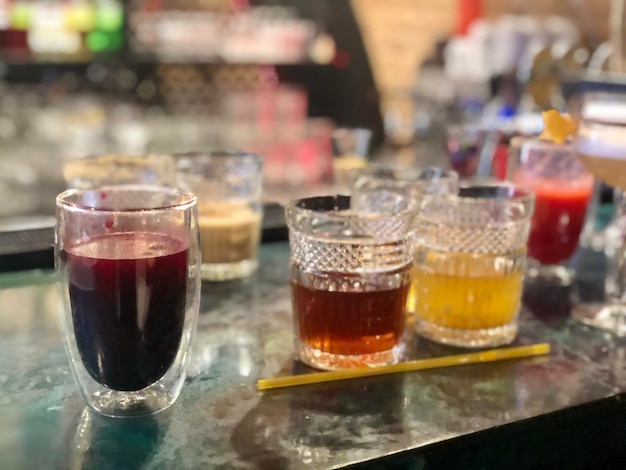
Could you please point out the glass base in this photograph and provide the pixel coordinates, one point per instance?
(554, 274)
(328, 361)
(480, 338)
(118, 404)
(608, 317)
(228, 271)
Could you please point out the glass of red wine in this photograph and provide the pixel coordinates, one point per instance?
(128, 261)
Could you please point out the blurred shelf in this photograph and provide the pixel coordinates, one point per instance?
(129, 62)
(593, 82)
(610, 82)
(35, 72)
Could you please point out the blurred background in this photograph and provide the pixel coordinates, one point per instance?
(430, 79)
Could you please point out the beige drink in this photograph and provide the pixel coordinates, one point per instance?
(610, 170)
(228, 188)
(229, 232)
(601, 142)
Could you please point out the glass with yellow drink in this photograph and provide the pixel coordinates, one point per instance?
(469, 264)
(467, 291)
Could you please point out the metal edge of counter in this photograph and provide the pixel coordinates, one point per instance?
(585, 436)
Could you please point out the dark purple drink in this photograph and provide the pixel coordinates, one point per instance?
(128, 294)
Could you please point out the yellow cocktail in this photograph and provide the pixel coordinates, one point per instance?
(467, 291)
(469, 262)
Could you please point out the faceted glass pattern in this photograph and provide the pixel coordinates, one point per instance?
(350, 275)
(469, 263)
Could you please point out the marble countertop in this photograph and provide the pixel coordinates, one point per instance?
(244, 333)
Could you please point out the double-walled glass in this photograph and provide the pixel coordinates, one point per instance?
(128, 261)
(469, 264)
(350, 277)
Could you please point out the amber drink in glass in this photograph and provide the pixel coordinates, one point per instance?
(350, 277)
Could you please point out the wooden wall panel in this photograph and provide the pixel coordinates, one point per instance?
(400, 34)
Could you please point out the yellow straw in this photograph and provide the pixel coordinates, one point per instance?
(420, 364)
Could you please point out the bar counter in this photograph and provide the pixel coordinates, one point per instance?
(565, 409)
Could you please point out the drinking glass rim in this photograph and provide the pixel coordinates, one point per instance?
(407, 176)
(292, 208)
(604, 97)
(511, 211)
(203, 157)
(517, 193)
(189, 200)
(124, 157)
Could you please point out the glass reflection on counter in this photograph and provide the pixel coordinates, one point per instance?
(302, 426)
(93, 441)
(228, 330)
(482, 394)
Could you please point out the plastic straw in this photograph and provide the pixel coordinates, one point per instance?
(490, 355)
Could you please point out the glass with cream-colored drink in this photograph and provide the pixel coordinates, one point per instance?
(601, 146)
(229, 232)
(601, 141)
(228, 188)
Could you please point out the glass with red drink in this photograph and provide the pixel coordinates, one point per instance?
(562, 188)
(128, 261)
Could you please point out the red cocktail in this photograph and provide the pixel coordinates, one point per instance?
(558, 219)
(562, 190)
